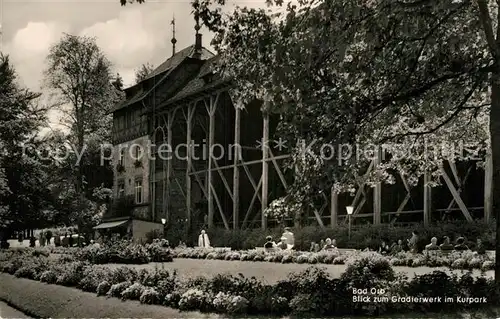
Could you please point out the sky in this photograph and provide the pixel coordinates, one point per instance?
(129, 36)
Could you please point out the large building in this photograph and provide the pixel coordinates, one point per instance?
(184, 102)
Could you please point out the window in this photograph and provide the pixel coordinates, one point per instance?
(121, 189)
(138, 153)
(138, 192)
(121, 159)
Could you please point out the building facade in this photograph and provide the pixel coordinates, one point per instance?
(185, 151)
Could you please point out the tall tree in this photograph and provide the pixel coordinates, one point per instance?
(118, 82)
(143, 72)
(369, 72)
(80, 76)
(23, 192)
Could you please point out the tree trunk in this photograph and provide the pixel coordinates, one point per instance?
(495, 152)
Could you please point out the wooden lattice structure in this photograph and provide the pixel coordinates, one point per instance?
(186, 105)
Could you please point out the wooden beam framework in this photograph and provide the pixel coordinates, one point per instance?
(265, 164)
(260, 184)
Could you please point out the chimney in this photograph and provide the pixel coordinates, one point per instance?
(197, 46)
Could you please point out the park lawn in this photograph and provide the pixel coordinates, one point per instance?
(267, 271)
(39, 300)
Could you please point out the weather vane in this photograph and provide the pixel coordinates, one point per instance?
(174, 40)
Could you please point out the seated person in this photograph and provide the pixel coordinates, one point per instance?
(290, 238)
(384, 248)
(283, 244)
(397, 247)
(413, 241)
(460, 246)
(329, 246)
(480, 249)
(270, 244)
(446, 246)
(433, 245)
(313, 247)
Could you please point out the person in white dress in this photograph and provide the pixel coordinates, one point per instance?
(203, 240)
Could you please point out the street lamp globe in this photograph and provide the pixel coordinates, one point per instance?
(350, 210)
(163, 221)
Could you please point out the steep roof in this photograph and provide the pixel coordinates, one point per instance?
(177, 58)
(198, 84)
(161, 73)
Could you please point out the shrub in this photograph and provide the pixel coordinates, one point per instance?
(150, 297)
(287, 259)
(71, 274)
(48, 276)
(133, 292)
(302, 304)
(364, 236)
(103, 288)
(237, 305)
(122, 274)
(92, 276)
(221, 302)
(302, 259)
(172, 300)
(193, 299)
(488, 265)
(116, 290)
(369, 268)
(27, 272)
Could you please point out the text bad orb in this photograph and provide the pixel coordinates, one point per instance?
(368, 291)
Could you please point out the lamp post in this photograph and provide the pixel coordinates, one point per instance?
(163, 221)
(350, 210)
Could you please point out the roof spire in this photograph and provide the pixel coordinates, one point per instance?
(197, 43)
(174, 40)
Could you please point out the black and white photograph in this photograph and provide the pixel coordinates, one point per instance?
(250, 158)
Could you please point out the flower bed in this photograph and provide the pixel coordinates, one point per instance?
(124, 252)
(310, 292)
(455, 260)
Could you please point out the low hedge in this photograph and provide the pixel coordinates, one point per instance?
(125, 252)
(311, 292)
(366, 236)
(456, 260)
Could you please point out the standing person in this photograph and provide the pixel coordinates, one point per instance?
(413, 241)
(290, 239)
(203, 240)
(41, 239)
(48, 237)
(32, 241)
(57, 240)
(20, 238)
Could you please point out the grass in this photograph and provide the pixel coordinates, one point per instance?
(40, 300)
(267, 271)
